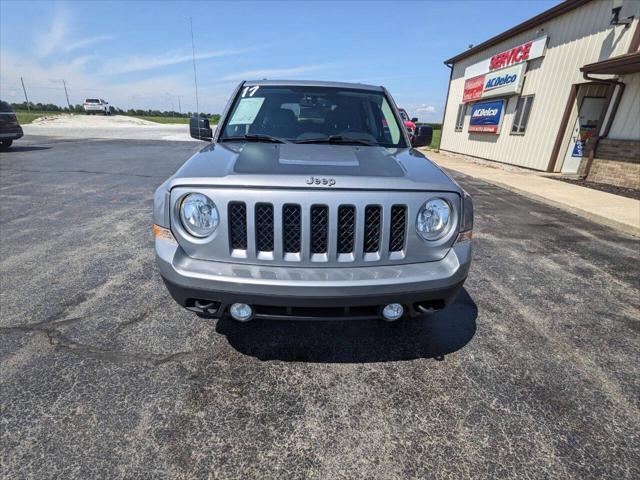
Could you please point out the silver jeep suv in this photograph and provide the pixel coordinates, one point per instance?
(311, 203)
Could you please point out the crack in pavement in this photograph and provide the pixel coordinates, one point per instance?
(62, 342)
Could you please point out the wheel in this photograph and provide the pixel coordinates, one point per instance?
(5, 144)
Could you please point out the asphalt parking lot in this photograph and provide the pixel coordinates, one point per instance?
(102, 375)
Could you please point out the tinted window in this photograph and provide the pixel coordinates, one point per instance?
(4, 107)
(298, 113)
(92, 100)
(521, 117)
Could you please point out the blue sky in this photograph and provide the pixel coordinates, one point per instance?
(138, 54)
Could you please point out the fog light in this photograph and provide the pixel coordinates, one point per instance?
(392, 312)
(241, 312)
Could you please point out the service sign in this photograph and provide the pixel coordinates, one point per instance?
(500, 83)
(486, 117)
(518, 54)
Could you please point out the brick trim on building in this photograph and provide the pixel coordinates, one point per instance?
(616, 162)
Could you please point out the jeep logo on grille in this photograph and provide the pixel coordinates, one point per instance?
(327, 182)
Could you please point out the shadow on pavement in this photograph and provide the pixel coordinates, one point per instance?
(23, 148)
(356, 341)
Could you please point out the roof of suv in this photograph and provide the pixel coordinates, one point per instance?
(314, 83)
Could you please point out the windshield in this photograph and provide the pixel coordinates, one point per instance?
(313, 114)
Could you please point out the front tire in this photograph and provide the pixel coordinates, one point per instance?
(5, 144)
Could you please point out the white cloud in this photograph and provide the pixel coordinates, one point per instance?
(271, 73)
(141, 63)
(44, 85)
(425, 109)
(58, 38)
(86, 42)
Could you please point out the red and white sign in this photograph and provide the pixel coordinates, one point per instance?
(473, 89)
(519, 54)
(499, 83)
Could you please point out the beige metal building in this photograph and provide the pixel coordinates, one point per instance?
(559, 93)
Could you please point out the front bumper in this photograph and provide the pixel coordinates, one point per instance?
(276, 292)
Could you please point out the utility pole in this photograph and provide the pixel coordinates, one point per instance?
(179, 106)
(66, 93)
(195, 74)
(25, 94)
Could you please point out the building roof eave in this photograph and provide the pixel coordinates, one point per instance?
(620, 65)
(545, 16)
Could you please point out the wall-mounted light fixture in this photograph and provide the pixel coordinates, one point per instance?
(615, 18)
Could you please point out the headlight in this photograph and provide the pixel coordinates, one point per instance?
(199, 215)
(433, 219)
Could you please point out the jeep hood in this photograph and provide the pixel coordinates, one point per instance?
(288, 165)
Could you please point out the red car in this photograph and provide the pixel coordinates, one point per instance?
(410, 124)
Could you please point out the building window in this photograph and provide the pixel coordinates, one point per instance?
(460, 117)
(521, 117)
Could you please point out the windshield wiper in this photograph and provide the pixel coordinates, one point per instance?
(254, 137)
(336, 139)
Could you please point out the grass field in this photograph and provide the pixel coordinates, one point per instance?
(28, 117)
(180, 120)
(25, 118)
(435, 141)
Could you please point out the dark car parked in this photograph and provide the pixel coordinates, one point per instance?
(10, 130)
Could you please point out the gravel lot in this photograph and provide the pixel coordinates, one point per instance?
(99, 126)
(102, 375)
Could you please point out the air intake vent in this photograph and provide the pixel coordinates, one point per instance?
(264, 227)
(372, 224)
(238, 225)
(291, 228)
(319, 228)
(346, 228)
(398, 227)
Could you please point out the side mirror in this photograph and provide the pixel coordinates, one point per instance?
(199, 129)
(414, 119)
(423, 136)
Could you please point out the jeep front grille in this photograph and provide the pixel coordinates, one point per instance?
(291, 228)
(372, 229)
(238, 225)
(321, 234)
(346, 228)
(319, 229)
(264, 227)
(398, 222)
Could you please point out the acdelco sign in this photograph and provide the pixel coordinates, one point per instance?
(516, 55)
(486, 117)
(507, 81)
(500, 81)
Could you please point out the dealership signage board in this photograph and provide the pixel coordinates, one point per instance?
(507, 81)
(486, 117)
(519, 54)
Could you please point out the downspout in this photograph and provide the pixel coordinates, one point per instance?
(446, 101)
(609, 121)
